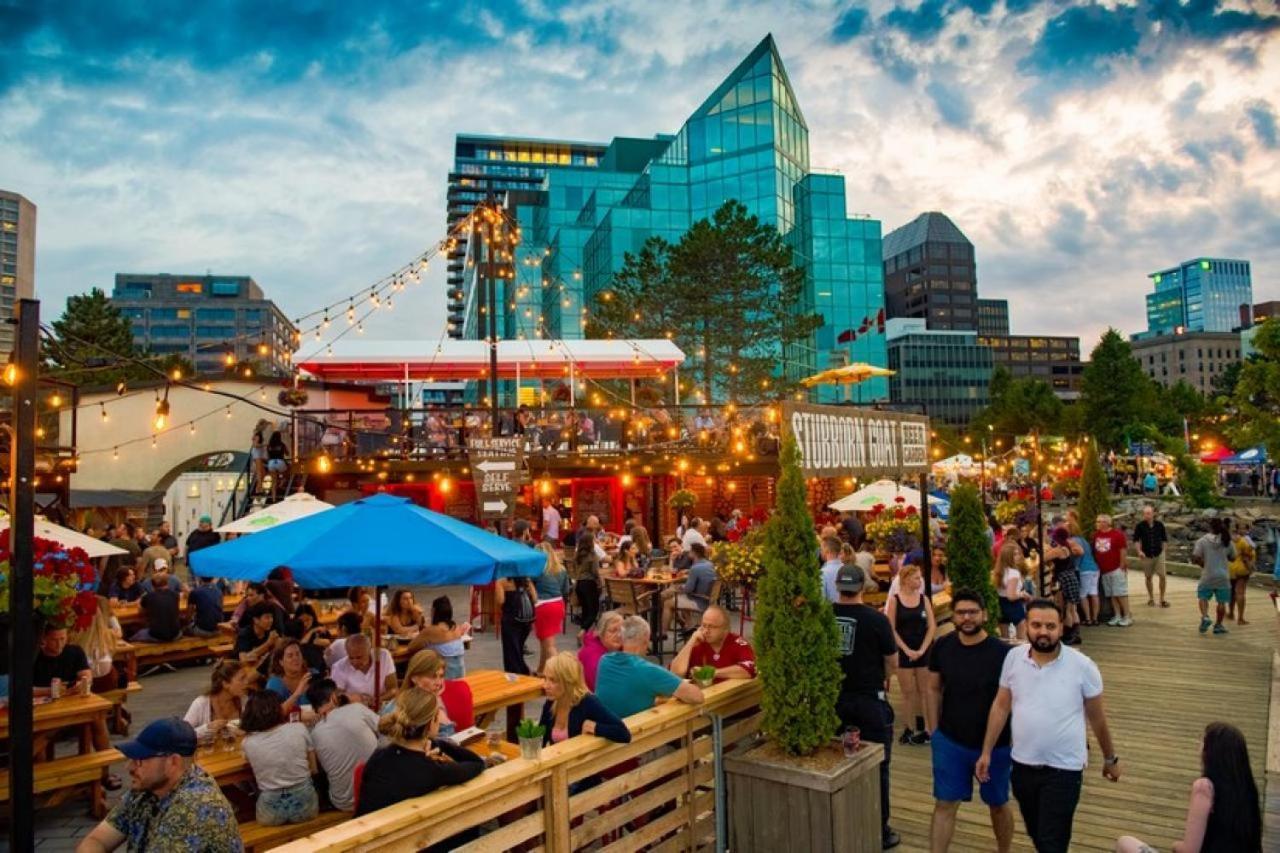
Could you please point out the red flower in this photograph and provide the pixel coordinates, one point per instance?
(878, 508)
(911, 510)
(899, 500)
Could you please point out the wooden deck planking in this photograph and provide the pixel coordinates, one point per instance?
(1163, 682)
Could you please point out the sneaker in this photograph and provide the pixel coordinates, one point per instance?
(919, 738)
(1219, 629)
(889, 840)
(1125, 622)
(1114, 622)
(1073, 640)
(905, 740)
(1204, 624)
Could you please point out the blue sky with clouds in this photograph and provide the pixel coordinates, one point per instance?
(1079, 145)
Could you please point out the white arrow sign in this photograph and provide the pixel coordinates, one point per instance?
(496, 466)
(495, 506)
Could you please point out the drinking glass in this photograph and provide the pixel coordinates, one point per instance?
(852, 742)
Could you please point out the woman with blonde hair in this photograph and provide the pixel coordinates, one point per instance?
(99, 642)
(1006, 577)
(910, 612)
(571, 709)
(426, 671)
(552, 587)
(644, 547)
(415, 762)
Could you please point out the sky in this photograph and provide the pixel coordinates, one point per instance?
(1080, 146)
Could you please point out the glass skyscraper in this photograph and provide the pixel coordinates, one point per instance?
(747, 141)
(1200, 295)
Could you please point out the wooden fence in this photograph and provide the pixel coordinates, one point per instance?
(657, 791)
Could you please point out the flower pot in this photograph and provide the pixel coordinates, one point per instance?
(530, 748)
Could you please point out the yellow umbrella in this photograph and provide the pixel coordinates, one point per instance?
(850, 374)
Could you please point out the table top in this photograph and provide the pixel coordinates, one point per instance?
(66, 711)
(133, 610)
(492, 689)
(648, 580)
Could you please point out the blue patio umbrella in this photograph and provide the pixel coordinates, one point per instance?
(381, 540)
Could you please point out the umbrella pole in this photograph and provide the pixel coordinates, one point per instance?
(377, 647)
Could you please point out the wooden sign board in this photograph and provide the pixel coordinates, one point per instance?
(497, 469)
(848, 441)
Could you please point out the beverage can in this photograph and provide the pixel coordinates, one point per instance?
(55, 688)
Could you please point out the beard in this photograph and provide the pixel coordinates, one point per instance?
(1046, 644)
(970, 628)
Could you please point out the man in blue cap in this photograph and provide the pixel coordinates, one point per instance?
(172, 804)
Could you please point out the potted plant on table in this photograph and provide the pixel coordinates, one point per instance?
(704, 676)
(530, 735)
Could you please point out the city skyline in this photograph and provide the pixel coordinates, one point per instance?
(1079, 147)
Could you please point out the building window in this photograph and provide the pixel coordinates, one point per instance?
(191, 287)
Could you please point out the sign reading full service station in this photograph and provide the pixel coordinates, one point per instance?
(843, 441)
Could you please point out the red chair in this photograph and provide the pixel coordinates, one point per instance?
(460, 704)
(357, 779)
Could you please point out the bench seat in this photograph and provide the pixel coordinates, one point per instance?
(258, 837)
(184, 648)
(63, 777)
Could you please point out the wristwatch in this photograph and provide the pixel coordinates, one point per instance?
(1111, 760)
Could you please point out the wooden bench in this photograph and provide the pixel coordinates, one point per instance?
(182, 649)
(64, 777)
(258, 837)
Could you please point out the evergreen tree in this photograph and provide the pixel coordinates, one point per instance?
(796, 634)
(90, 338)
(1117, 396)
(969, 560)
(1256, 397)
(1020, 406)
(1095, 494)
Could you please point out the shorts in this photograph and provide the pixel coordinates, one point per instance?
(1115, 584)
(905, 662)
(1069, 583)
(297, 804)
(1223, 595)
(1012, 612)
(1152, 565)
(277, 465)
(685, 602)
(953, 767)
(1088, 583)
(548, 618)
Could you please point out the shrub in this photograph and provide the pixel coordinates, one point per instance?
(1095, 496)
(969, 557)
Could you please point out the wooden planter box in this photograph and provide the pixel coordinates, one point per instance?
(776, 803)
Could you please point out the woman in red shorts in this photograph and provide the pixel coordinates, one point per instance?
(548, 614)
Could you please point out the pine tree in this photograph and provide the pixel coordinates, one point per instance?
(1116, 395)
(969, 558)
(796, 634)
(1095, 495)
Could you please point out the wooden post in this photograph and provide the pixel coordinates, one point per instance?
(926, 546)
(555, 810)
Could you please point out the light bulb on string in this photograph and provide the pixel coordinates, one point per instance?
(115, 453)
(105, 417)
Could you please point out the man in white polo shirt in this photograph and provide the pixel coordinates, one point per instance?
(1050, 689)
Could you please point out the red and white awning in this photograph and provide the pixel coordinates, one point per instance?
(419, 361)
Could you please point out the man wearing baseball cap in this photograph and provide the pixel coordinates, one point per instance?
(202, 537)
(172, 804)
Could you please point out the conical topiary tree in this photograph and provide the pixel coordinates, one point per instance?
(797, 638)
(1095, 495)
(969, 559)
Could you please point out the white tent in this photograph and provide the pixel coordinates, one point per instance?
(880, 492)
(68, 538)
(290, 509)
(960, 465)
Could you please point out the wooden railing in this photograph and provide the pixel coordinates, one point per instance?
(667, 796)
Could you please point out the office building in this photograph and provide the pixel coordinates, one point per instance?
(1259, 312)
(929, 273)
(944, 373)
(1200, 295)
(493, 165)
(1054, 359)
(206, 318)
(993, 317)
(17, 260)
(1192, 357)
(747, 141)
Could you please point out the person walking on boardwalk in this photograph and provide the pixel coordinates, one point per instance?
(1048, 690)
(1213, 553)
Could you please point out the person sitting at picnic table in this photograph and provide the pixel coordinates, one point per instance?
(305, 627)
(172, 804)
(571, 709)
(125, 588)
(415, 762)
(627, 683)
(99, 642)
(445, 637)
(643, 547)
(695, 594)
(282, 588)
(283, 760)
(360, 602)
(163, 610)
(258, 639)
(354, 674)
(205, 604)
(713, 644)
(254, 593)
(58, 658)
(348, 625)
(457, 705)
(229, 684)
(605, 637)
(290, 675)
(404, 617)
(344, 736)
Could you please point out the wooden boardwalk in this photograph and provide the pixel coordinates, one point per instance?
(1163, 681)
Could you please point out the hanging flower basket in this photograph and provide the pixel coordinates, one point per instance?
(682, 499)
(1007, 512)
(292, 397)
(63, 581)
(894, 529)
(740, 562)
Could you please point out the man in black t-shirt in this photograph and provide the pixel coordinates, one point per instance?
(964, 677)
(1151, 538)
(58, 659)
(868, 656)
(162, 608)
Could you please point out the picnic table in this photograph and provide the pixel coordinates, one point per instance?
(62, 777)
(492, 689)
(54, 716)
(132, 618)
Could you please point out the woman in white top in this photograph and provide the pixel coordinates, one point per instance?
(230, 683)
(99, 642)
(283, 760)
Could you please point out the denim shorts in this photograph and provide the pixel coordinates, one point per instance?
(953, 767)
(296, 804)
(1012, 612)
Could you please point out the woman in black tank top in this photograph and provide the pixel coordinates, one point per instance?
(910, 612)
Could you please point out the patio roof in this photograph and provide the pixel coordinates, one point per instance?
(530, 359)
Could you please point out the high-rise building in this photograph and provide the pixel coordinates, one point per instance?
(929, 272)
(946, 374)
(1192, 357)
(17, 260)
(1263, 311)
(206, 318)
(493, 165)
(747, 141)
(1200, 295)
(993, 317)
(1054, 359)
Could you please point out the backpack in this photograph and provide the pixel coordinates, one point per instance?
(521, 607)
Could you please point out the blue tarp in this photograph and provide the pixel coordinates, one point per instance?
(944, 508)
(1252, 456)
(375, 541)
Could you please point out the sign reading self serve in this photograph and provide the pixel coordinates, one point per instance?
(842, 441)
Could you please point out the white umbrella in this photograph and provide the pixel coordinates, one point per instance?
(880, 492)
(290, 509)
(68, 538)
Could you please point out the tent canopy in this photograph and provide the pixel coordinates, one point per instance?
(291, 508)
(375, 541)
(880, 492)
(1246, 458)
(1216, 455)
(68, 538)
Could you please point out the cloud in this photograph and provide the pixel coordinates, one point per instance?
(851, 24)
(1080, 42)
(1263, 120)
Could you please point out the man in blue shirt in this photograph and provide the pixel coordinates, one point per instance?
(695, 595)
(205, 602)
(627, 683)
(831, 564)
